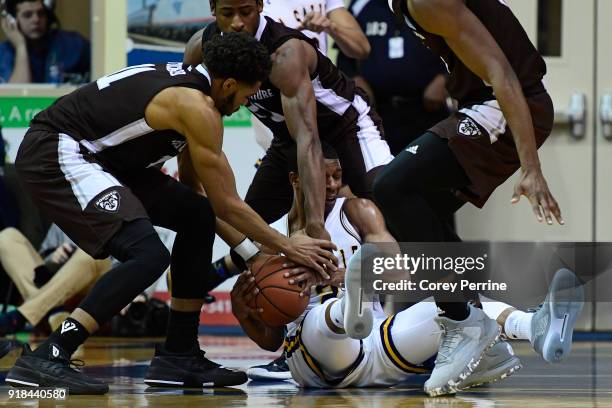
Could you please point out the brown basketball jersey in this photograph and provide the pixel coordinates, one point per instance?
(496, 16)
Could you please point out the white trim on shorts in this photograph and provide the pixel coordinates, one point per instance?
(489, 116)
(86, 179)
(374, 149)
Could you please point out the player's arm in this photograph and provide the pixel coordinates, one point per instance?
(343, 28)
(475, 46)
(192, 114)
(188, 176)
(291, 74)
(369, 221)
(266, 337)
(193, 49)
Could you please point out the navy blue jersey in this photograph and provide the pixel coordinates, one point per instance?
(399, 64)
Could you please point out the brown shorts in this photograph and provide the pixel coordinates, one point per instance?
(76, 192)
(488, 164)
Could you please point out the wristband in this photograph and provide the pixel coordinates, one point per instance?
(246, 249)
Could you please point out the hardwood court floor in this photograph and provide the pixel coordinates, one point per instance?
(584, 380)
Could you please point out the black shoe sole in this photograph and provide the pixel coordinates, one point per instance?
(21, 377)
(175, 378)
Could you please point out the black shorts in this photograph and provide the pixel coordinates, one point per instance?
(361, 150)
(488, 154)
(89, 203)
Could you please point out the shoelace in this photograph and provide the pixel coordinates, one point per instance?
(450, 339)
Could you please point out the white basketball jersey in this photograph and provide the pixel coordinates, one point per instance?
(291, 13)
(347, 240)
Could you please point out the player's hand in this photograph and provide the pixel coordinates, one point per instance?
(314, 253)
(11, 31)
(316, 22)
(62, 253)
(303, 277)
(532, 185)
(242, 293)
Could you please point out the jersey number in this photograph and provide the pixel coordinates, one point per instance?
(106, 81)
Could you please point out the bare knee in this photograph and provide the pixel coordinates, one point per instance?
(9, 237)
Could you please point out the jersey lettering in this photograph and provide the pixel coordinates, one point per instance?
(106, 81)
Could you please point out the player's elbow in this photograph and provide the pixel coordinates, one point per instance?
(363, 49)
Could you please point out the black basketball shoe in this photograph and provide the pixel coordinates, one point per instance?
(56, 371)
(189, 370)
(6, 346)
(276, 370)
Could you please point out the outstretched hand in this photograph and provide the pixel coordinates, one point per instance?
(532, 185)
(313, 253)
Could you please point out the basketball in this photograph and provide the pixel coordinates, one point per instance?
(280, 301)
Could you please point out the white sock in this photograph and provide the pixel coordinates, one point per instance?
(518, 325)
(493, 308)
(336, 313)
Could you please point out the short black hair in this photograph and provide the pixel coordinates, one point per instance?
(213, 3)
(329, 153)
(237, 55)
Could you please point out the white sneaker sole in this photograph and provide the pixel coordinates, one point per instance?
(566, 300)
(358, 320)
(260, 374)
(504, 370)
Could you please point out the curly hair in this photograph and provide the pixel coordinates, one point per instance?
(238, 56)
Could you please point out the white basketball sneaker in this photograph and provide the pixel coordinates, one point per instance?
(462, 346)
(553, 322)
(358, 318)
(497, 363)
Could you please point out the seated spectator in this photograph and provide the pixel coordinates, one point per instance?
(33, 276)
(8, 209)
(37, 51)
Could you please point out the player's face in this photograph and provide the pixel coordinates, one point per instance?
(238, 15)
(333, 182)
(235, 95)
(32, 19)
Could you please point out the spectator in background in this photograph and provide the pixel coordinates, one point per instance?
(36, 50)
(8, 209)
(45, 279)
(405, 81)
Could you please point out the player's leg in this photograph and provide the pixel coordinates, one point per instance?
(102, 217)
(548, 328)
(173, 205)
(400, 191)
(363, 150)
(325, 340)
(270, 194)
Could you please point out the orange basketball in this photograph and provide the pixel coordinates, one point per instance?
(280, 301)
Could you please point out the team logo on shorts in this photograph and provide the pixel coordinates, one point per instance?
(109, 202)
(179, 145)
(468, 128)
